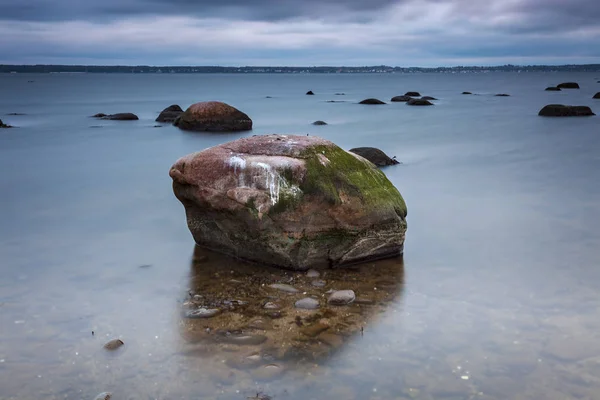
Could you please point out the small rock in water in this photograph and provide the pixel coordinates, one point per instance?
(310, 93)
(202, 313)
(103, 396)
(341, 297)
(319, 123)
(267, 372)
(271, 306)
(318, 283)
(331, 339)
(314, 329)
(313, 273)
(284, 288)
(243, 339)
(113, 344)
(307, 303)
(260, 324)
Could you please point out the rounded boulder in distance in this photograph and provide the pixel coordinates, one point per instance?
(412, 94)
(372, 101)
(374, 155)
(401, 99)
(419, 102)
(310, 93)
(213, 116)
(552, 89)
(559, 110)
(169, 114)
(568, 85)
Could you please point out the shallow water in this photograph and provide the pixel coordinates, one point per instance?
(496, 296)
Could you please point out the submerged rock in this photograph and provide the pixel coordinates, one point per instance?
(412, 94)
(121, 117)
(467, 93)
(341, 297)
(169, 114)
(553, 89)
(374, 155)
(401, 99)
(318, 283)
(502, 95)
(559, 110)
(213, 116)
(310, 93)
(319, 123)
(419, 102)
(3, 125)
(113, 344)
(103, 396)
(371, 101)
(242, 339)
(284, 288)
(202, 313)
(568, 85)
(307, 303)
(596, 96)
(99, 115)
(428, 98)
(290, 201)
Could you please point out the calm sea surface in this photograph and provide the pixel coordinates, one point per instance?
(497, 296)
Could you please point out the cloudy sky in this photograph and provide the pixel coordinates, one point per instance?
(300, 32)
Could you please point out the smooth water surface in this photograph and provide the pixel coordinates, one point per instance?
(496, 297)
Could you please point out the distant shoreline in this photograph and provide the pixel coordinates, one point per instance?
(288, 70)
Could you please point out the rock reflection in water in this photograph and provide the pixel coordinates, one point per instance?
(263, 327)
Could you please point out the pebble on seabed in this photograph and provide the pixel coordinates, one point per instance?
(307, 303)
(202, 313)
(341, 297)
(284, 288)
(103, 396)
(313, 273)
(113, 344)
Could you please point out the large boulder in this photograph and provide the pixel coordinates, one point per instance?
(169, 114)
(121, 117)
(213, 116)
(401, 99)
(559, 110)
(371, 101)
(290, 201)
(568, 85)
(597, 96)
(374, 155)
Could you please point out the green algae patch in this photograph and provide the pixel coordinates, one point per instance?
(332, 172)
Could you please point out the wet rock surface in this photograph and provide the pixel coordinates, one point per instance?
(170, 114)
(257, 198)
(559, 110)
(213, 116)
(375, 155)
(372, 101)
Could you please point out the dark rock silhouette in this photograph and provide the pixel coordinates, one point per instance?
(401, 99)
(169, 114)
(502, 95)
(419, 102)
(568, 85)
(412, 94)
(374, 155)
(559, 110)
(553, 89)
(99, 115)
(371, 101)
(467, 93)
(428, 98)
(121, 117)
(596, 96)
(319, 123)
(3, 125)
(310, 93)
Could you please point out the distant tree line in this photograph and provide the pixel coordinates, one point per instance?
(144, 69)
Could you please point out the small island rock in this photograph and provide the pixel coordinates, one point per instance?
(294, 202)
(553, 89)
(412, 94)
(596, 96)
(467, 93)
(319, 123)
(213, 116)
(568, 85)
(121, 117)
(169, 114)
(99, 115)
(310, 93)
(559, 110)
(374, 155)
(3, 125)
(502, 95)
(371, 101)
(401, 99)
(419, 102)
